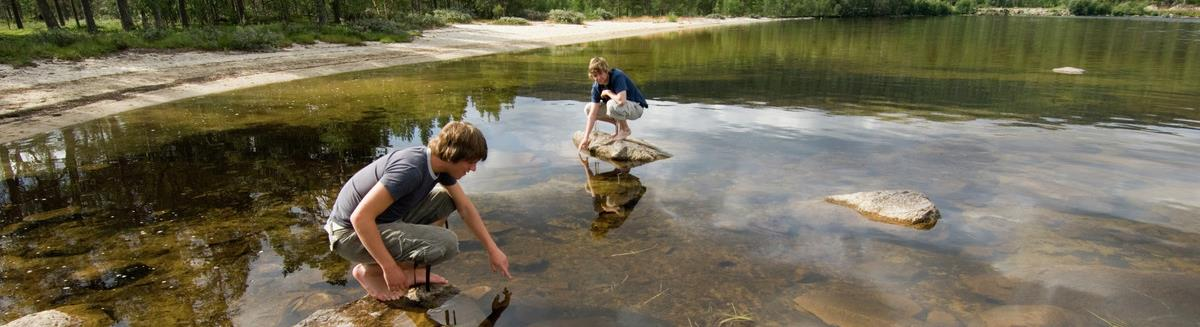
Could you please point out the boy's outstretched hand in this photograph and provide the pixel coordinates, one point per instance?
(500, 263)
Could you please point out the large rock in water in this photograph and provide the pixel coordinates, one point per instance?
(900, 207)
(1069, 70)
(82, 315)
(627, 153)
(407, 311)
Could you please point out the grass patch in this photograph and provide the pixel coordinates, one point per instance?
(22, 49)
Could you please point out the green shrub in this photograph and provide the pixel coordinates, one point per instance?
(154, 34)
(60, 37)
(930, 8)
(1088, 8)
(603, 14)
(671, 17)
(565, 17)
(375, 25)
(964, 7)
(452, 16)
(498, 11)
(715, 16)
(421, 21)
(251, 39)
(1129, 9)
(533, 15)
(511, 21)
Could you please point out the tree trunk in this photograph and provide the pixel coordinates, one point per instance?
(337, 11)
(88, 15)
(241, 11)
(61, 16)
(75, 12)
(158, 17)
(183, 18)
(320, 12)
(145, 20)
(126, 18)
(47, 15)
(13, 185)
(16, 11)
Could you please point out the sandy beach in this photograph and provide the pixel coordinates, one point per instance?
(56, 94)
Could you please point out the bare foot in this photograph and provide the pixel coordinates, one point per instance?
(620, 136)
(371, 279)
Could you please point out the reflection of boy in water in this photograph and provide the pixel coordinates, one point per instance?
(614, 195)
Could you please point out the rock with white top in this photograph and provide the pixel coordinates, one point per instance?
(900, 207)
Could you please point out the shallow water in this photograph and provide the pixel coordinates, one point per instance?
(1074, 194)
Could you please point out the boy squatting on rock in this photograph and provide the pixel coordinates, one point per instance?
(614, 100)
(388, 216)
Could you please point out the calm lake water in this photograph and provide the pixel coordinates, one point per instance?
(1069, 196)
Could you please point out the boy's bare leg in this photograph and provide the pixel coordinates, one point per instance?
(370, 277)
(622, 130)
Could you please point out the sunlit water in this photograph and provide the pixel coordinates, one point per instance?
(1072, 196)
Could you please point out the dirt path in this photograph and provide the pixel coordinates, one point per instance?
(58, 94)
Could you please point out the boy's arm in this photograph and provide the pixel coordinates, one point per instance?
(619, 87)
(363, 218)
(470, 215)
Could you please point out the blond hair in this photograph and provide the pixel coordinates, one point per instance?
(597, 65)
(459, 141)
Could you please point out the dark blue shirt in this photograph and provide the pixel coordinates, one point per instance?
(617, 82)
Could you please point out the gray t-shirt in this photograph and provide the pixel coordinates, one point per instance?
(406, 174)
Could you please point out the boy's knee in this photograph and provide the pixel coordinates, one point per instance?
(445, 242)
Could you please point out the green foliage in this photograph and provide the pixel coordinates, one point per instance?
(603, 14)
(251, 39)
(930, 8)
(1130, 9)
(672, 17)
(421, 21)
(453, 16)
(964, 7)
(1089, 8)
(375, 25)
(511, 21)
(498, 10)
(714, 16)
(565, 17)
(534, 15)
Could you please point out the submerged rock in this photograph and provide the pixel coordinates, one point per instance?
(627, 153)
(857, 307)
(1069, 70)
(1029, 315)
(75, 316)
(900, 207)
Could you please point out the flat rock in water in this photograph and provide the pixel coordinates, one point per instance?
(1069, 70)
(368, 311)
(900, 207)
(627, 153)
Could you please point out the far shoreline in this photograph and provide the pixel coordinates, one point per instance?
(54, 95)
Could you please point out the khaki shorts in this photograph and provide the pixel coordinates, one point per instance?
(629, 111)
(411, 239)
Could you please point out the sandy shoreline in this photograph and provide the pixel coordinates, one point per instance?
(58, 94)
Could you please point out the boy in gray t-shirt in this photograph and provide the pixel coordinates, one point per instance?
(385, 216)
